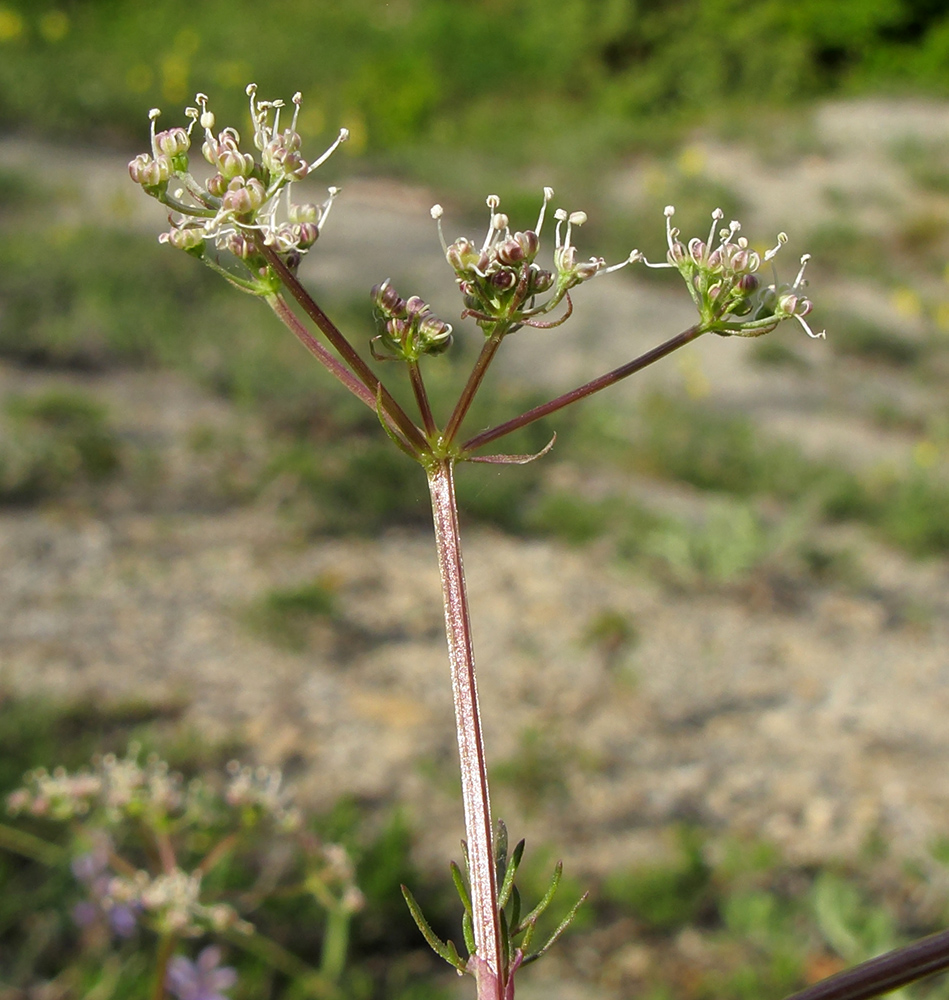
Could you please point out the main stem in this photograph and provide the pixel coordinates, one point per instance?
(474, 774)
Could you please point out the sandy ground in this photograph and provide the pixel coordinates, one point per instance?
(814, 721)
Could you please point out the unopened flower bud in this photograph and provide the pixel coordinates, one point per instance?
(173, 141)
(434, 332)
(217, 185)
(243, 196)
(386, 299)
(415, 306)
(787, 304)
(186, 238)
(503, 280)
(748, 282)
(232, 163)
(540, 280)
(305, 212)
(305, 234)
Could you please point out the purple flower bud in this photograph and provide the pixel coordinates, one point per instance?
(714, 261)
(433, 331)
(747, 283)
(539, 281)
(739, 261)
(306, 234)
(503, 280)
(415, 306)
(386, 299)
(697, 250)
(510, 252)
(239, 245)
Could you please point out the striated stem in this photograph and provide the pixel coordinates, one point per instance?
(334, 367)
(474, 382)
(474, 775)
(884, 973)
(610, 378)
(343, 347)
(421, 398)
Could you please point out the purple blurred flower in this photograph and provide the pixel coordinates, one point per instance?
(202, 979)
(92, 870)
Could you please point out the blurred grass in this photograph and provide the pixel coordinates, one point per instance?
(519, 80)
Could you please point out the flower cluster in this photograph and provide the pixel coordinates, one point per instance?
(258, 793)
(116, 787)
(722, 280)
(501, 281)
(246, 197)
(171, 902)
(409, 327)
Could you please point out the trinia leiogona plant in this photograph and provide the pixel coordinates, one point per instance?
(243, 223)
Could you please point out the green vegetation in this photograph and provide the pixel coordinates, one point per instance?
(284, 615)
(415, 73)
(54, 439)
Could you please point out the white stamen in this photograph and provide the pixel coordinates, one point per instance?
(341, 138)
(799, 281)
(717, 217)
(297, 101)
(631, 259)
(561, 216)
(436, 212)
(548, 194)
(821, 335)
(327, 205)
(782, 239)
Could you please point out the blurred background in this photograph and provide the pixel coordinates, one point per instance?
(711, 624)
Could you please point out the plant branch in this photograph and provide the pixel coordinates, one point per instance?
(610, 378)
(884, 973)
(474, 775)
(334, 367)
(474, 382)
(166, 945)
(343, 347)
(421, 397)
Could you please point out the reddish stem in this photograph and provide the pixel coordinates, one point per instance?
(474, 774)
(343, 347)
(610, 378)
(334, 367)
(421, 398)
(473, 384)
(884, 973)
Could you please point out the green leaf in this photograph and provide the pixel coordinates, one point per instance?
(561, 927)
(446, 951)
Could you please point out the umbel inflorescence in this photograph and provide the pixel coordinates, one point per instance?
(247, 199)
